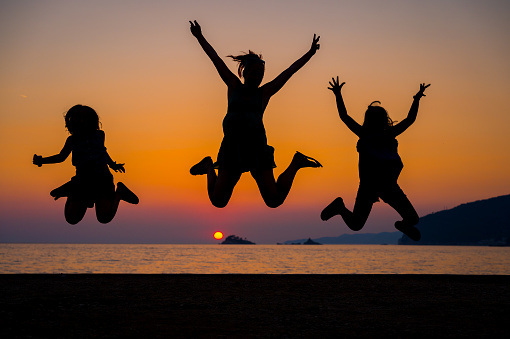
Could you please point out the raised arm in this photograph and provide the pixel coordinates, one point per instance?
(229, 78)
(54, 159)
(413, 112)
(336, 88)
(275, 85)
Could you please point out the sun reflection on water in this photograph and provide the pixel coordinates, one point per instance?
(258, 259)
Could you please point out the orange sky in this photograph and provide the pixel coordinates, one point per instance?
(161, 104)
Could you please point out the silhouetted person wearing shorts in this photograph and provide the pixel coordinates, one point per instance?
(93, 182)
(379, 165)
(244, 146)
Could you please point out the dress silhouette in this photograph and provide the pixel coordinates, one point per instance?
(379, 165)
(244, 146)
(93, 182)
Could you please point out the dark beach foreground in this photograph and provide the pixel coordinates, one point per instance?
(253, 306)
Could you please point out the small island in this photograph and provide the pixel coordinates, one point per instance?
(311, 242)
(235, 240)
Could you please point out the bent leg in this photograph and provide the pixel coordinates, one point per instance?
(220, 187)
(356, 219)
(106, 208)
(410, 218)
(268, 187)
(274, 192)
(403, 206)
(74, 210)
(108, 203)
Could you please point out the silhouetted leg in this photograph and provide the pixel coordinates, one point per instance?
(106, 207)
(274, 192)
(221, 186)
(406, 210)
(356, 219)
(74, 210)
(268, 188)
(410, 218)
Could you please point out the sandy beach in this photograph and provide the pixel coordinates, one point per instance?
(253, 306)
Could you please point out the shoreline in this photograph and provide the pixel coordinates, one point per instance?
(252, 306)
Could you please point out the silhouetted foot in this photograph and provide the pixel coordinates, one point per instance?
(126, 195)
(411, 231)
(304, 161)
(332, 209)
(202, 167)
(62, 191)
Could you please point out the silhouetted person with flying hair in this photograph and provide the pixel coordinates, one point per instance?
(379, 165)
(244, 147)
(93, 182)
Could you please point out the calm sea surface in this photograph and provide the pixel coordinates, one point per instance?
(263, 259)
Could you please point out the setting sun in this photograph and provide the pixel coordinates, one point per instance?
(218, 235)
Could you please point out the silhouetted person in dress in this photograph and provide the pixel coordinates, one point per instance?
(244, 147)
(379, 165)
(93, 182)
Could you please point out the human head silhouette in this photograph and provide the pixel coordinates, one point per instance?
(82, 120)
(376, 118)
(251, 67)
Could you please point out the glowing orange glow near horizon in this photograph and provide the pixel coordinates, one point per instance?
(218, 235)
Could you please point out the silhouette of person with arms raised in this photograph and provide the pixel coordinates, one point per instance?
(379, 165)
(244, 147)
(93, 182)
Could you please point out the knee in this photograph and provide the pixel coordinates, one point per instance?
(273, 203)
(356, 225)
(104, 218)
(73, 220)
(219, 203)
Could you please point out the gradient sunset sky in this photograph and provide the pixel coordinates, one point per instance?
(161, 104)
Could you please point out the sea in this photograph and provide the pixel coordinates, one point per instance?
(252, 259)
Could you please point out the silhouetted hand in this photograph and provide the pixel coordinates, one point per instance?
(195, 29)
(37, 160)
(118, 167)
(420, 92)
(336, 87)
(315, 44)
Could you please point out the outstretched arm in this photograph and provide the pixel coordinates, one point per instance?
(274, 86)
(54, 159)
(413, 112)
(336, 87)
(229, 78)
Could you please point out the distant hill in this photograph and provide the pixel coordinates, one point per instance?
(390, 238)
(483, 222)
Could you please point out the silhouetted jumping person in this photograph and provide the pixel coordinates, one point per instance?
(244, 147)
(379, 165)
(93, 182)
